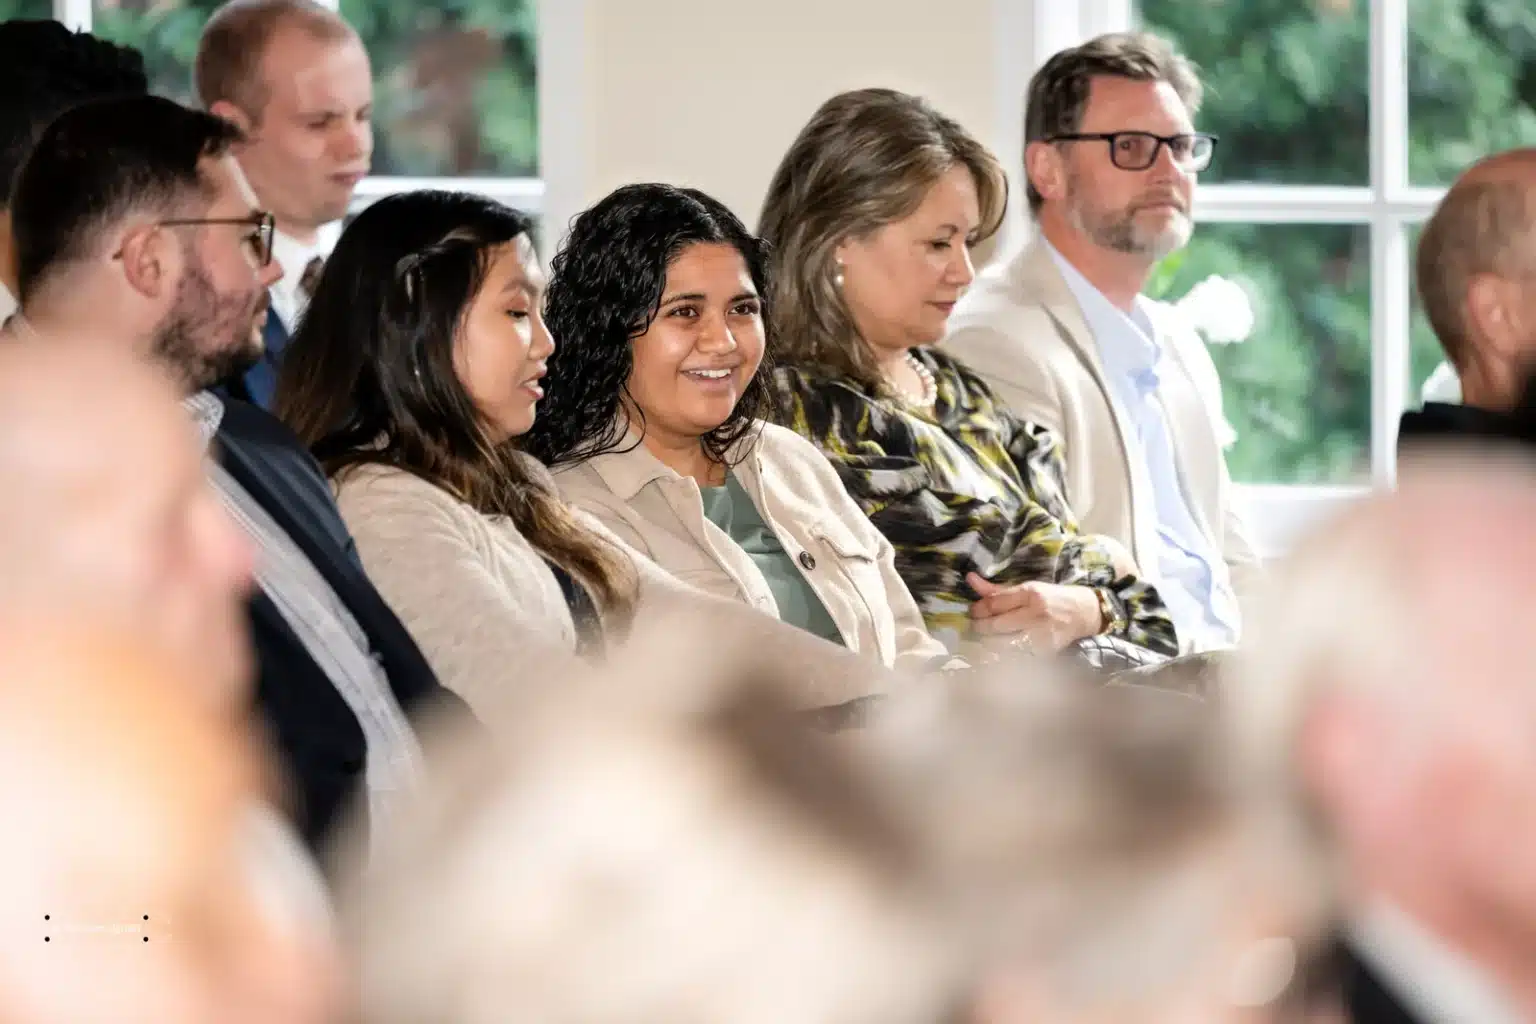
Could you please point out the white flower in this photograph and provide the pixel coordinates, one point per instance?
(1442, 386)
(1219, 309)
(1226, 434)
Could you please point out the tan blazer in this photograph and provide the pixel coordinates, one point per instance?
(1021, 328)
(848, 563)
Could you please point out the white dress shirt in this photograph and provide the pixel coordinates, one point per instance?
(294, 256)
(1436, 983)
(1190, 573)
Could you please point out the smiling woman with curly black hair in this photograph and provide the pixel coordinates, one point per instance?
(651, 421)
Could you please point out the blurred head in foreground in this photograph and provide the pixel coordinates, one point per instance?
(108, 512)
(125, 874)
(709, 861)
(1398, 710)
(1114, 865)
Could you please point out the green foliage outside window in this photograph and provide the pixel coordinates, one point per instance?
(454, 80)
(1288, 92)
(30, 9)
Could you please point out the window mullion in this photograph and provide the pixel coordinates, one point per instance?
(1390, 300)
(74, 14)
(1095, 17)
(1390, 293)
(1389, 99)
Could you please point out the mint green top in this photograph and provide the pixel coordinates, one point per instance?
(731, 508)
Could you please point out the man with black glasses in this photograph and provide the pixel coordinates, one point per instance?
(134, 224)
(1067, 340)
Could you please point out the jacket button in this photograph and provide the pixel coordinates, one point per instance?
(807, 562)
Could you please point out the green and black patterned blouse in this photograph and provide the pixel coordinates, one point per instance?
(964, 486)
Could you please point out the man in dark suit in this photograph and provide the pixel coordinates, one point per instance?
(1392, 690)
(133, 223)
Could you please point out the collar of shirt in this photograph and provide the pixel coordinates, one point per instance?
(1127, 344)
(294, 256)
(207, 412)
(630, 467)
(1436, 981)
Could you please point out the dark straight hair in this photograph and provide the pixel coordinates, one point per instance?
(102, 162)
(369, 377)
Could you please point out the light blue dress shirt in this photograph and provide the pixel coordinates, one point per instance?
(1190, 573)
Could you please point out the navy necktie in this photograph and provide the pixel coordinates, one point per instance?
(261, 380)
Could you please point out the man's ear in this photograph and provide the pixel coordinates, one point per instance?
(147, 256)
(1489, 312)
(1046, 170)
(234, 115)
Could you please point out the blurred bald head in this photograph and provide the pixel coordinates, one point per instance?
(1476, 263)
(108, 511)
(122, 799)
(1391, 683)
(137, 847)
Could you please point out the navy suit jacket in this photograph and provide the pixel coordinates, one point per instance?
(312, 726)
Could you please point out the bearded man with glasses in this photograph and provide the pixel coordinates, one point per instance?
(1064, 336)
(136, 228)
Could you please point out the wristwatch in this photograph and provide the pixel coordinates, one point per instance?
(1115, 619)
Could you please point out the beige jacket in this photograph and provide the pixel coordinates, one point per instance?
(847, 562)
(1021, 328)
(490, 618)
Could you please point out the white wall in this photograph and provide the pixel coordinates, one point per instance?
(709, 93)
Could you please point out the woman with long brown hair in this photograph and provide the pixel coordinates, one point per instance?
(412, 375)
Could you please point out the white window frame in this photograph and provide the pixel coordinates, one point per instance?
(1388, 206)
(527, 194)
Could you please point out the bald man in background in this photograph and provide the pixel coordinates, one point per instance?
(108, 511)
(126, 882)
(1476, 262)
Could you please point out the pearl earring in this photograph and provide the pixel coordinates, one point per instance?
(837, 277)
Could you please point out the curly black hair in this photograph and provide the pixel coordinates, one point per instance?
(44, 70)
(605, 290)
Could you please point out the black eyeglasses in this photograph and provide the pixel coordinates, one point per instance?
(1136, 151)
(259, 242)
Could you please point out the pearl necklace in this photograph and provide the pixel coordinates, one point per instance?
(930, 395)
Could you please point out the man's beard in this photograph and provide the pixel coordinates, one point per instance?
(207, 338)
(1118, 230)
